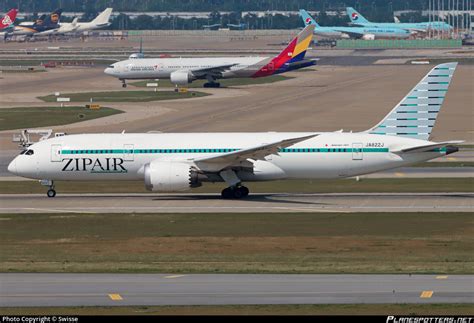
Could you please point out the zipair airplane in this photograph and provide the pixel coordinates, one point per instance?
(169, 162)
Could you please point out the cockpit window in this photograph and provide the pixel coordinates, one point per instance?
(111, 66)
(29, 152)
(23, 152)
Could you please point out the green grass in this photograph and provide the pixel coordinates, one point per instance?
(28, 117)
(375, 242)
(428, 185)
(224, 83)
(281, 309)
(125, 96)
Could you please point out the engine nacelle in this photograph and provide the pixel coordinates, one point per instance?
(368, 37)
(181, 77)
(169, 176)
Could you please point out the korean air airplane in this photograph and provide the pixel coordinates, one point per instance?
(182, 71)
(359, 20)
(168, 162)
(367, 33)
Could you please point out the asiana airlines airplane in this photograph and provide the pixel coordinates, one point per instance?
(168, 162)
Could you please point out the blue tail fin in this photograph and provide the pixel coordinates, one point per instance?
(416, 114)
(355, 17)
(307, 19)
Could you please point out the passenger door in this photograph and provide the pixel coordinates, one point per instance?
(128, 153)
(56, 153)
(357, 151)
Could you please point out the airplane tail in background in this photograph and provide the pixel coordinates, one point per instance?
(416, 114)
(8, 19)
(307, 19)
(103, 18)
(355, 17)
(53, 18)
(292, 54)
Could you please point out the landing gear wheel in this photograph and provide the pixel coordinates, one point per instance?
(227, 193)
(212, 84)
(51, 193)
(124, 85)
(245, 191)
(235, 192)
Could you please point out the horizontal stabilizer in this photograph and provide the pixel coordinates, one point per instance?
(426, 148)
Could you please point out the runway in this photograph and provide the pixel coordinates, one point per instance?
(261, 202)
(220, 289)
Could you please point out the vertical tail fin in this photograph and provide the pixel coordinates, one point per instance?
(103, 17)
(53, 18)
(294, 52)
(8, 19)
(416, 113)
(355, 17)
(307, 19)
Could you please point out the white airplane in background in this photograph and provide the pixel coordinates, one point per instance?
(182, 71)
(169, 162)
(101, 21)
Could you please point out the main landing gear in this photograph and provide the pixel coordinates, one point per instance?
(235, 192)
(212, 84)
(51, 192)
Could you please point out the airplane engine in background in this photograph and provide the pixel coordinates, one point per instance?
(368, 37)
(169, 176)
(181, 77)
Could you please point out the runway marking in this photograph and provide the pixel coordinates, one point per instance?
(174, 276)
(426, 294)
(115, 297)
(53, 210)
(441, 277)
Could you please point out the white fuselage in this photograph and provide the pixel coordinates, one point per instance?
(162, 68)
(67, 27)
(124, 156)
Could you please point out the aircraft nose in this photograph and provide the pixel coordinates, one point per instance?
(12, 167)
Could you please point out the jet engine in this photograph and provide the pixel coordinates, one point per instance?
(368, 37)
(181, 77)
(168, 176)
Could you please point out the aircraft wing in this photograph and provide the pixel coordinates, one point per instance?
(215, 70)
(241, 157)
(424, 148)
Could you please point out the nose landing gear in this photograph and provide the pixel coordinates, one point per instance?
(124, 84)
(51, 192)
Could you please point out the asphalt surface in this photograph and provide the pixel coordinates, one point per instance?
(263, 202)
(220, 289)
